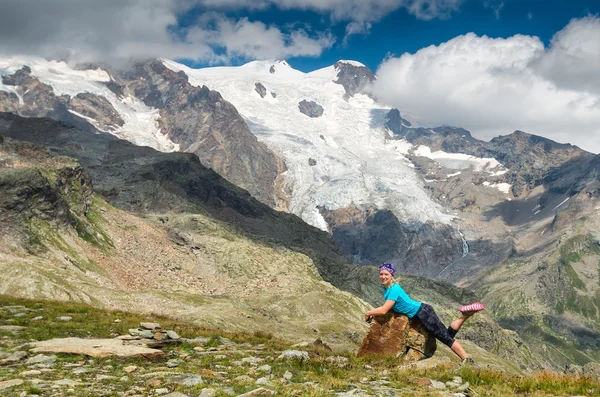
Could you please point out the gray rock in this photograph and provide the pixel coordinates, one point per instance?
(207, 392)
(252, 360)
(188, 380)
(264, 381)
(310, 108)
(174, 394)
(312, 162)
(173, 335)
(287, 375)
(40, 359)
(13, 358)
(294, 354)
(437, 385)
(173, 363)
(274, 95)
(355, 79)
(262, 91)
(164, 390)
(261, 391)
(10, 383)
(149, 326)
(64, 318)
(265, 368)
(37, 318)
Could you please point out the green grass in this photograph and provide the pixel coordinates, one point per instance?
(325, 378)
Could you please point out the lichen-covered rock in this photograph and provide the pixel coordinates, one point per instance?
(310, 108)
(396, 335)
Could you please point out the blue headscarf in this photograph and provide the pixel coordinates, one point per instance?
(390, 267)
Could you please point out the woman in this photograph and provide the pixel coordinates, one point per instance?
(398, 301)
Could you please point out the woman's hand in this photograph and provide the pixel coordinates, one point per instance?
(368, 318)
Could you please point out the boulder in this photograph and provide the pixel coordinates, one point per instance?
(262, 91)
(96, 348)
(396, 335)
(310, 108)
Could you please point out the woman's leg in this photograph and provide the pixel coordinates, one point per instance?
(433, 325)
(457, 324)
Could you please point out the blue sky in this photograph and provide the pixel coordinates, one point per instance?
(400, 32)
(490, 66)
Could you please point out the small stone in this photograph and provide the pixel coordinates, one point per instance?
(243, 379)
(198, 349)
(14, 358)
(40, 359)
(66, 382)
(79, 371)
(117, 321)
(252, 360)
(127, 337)
(176, 394)
(161, 391)
(265, 368)
(294, 354)
(37, 318)
(129, 369)
(158, 336)
(19, 314)
(436, 384)
(189, 380)
(64, 318)
(264, 381)
(31, 373)
(173, 335)
(153, 382)
(258, 392)
(208, 392)
(105, 377)
(149, 326)
(124, 378)
(173, 363)
(287, 375)
(10, 383)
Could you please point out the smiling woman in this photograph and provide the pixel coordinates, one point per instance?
(397, 300)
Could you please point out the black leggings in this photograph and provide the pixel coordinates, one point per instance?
(434, 325)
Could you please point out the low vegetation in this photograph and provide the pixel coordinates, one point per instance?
(207, 362)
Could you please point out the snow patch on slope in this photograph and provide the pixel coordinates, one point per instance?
(459, 161)
(141, 122)
(355, 164)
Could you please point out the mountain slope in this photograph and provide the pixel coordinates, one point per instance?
(204, 244)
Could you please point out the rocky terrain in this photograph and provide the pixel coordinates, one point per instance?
(514, 219)
(201, 246)
(191, 361)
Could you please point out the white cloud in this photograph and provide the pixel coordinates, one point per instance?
(351, 10)
(359, 13)
(116, 30)
(495, 86)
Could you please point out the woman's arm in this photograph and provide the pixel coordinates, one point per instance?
(378, 311)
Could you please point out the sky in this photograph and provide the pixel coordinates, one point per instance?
(490, 66)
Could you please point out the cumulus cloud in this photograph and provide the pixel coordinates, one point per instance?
(116, 30)
(495, 86)
(360, 14)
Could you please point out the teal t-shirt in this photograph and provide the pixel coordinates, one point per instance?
(404, 304)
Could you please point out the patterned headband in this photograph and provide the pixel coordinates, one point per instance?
(390, 267)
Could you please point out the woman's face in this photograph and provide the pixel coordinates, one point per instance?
(385, 277)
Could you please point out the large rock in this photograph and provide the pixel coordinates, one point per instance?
(310, 108)
(96, 348)
(396, 335)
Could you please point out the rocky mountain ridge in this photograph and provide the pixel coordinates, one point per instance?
(470, 212)
(201, 245)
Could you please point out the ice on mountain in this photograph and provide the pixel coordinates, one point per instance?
(141, 122)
